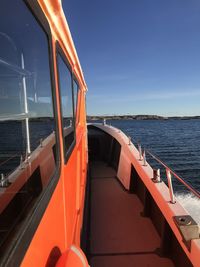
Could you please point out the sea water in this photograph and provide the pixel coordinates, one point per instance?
(13, 141)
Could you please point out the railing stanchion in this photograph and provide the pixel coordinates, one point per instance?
(171, 192)
(188, 186)
(129, 140)
(156, 176)
(144, 159)
(21, 162)
(41, 142)
(3, 181)
(27, 157)
(28, 144)
(140, 152)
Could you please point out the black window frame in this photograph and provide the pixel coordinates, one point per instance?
(17, 248)
(78, 90)
(60, 52)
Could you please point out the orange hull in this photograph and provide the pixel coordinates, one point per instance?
(61, 223)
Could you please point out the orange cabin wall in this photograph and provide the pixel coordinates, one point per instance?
(61, 223)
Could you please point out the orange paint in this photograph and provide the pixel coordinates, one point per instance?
(61, 223)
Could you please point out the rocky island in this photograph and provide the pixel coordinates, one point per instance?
(140, 117)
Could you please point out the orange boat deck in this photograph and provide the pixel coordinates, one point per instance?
(119, 234)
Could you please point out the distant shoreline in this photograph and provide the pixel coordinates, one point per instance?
(140, 117)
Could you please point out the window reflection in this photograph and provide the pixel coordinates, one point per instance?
(75, 87)
(66, 91)
(27, 124)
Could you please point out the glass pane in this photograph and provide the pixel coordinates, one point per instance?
(75, 86)
(65, 82)
(26, 114)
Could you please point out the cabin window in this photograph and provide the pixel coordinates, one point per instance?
(28, 147)
(76, 90)
(67, 105)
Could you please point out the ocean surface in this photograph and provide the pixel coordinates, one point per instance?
(13, 141)
(176, 142)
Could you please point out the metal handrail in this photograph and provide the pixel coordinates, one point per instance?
(17, 69)
(5, 161)
(169, 171)
(194, 191)
(14, 117)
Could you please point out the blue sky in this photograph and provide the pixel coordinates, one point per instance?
(138, 56)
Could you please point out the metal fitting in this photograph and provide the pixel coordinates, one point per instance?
(21, 162)
(3, 181)
(27, 157)
(144, 159)
(129, 140)
(156, 176)
(171, 192)
(140, 152)
(41, 142)
(188, 228)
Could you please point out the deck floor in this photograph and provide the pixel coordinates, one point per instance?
(119, 235)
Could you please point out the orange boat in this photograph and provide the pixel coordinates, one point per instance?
(58, 208)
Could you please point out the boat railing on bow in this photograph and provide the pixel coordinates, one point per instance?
(169, 174)
(156, 172)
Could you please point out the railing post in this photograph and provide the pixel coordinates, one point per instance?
(171, 192)
(70, 123)
(28, 146)
(129, 140)
(170, 172)
(104, 122)
(21, 162)
(140, 152)
(27, 157)
(41, 142)
(3, 181)
(144, 159)
(156, 176)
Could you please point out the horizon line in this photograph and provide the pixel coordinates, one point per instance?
(149, 115)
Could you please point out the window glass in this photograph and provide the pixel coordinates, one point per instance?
(75, 87)
(27, 124)
(67, 106)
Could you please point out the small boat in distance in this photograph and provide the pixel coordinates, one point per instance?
(74, 194)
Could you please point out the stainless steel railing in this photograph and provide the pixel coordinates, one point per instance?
(193, 190)
(169, 171)
(169, 174)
